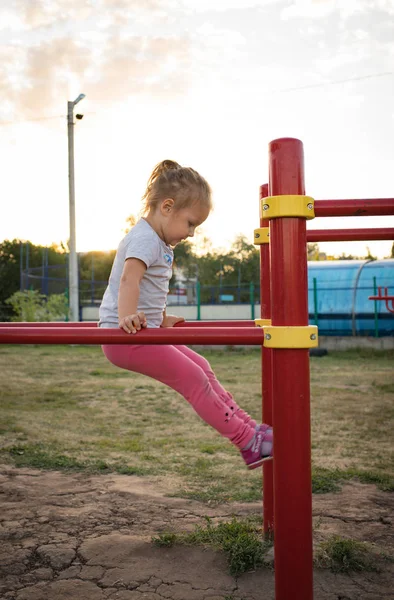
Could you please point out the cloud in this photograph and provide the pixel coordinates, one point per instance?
(35, 78)
(31, 14)
(311, 9)
(113, 50)
(50, 55)
(209, 43)
(318, 9)
(351, 39)
(22, 15)
(138, 64)
(225, 5)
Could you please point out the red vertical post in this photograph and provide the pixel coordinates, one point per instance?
(266, 366)
(291, 385)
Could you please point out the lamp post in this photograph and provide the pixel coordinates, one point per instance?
(73, 261)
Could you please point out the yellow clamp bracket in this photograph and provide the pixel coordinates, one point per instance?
(262, 322)
(273, 207)
(261, 236)
(291, 337)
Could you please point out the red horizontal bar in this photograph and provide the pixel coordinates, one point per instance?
(366, 207)
(349, 235)
(52, 324)
(94, 324)
(167, 335)
(239, 323)
(380, 297)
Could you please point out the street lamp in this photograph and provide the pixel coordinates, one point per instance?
(73, 260)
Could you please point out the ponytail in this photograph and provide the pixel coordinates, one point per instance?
(160, 168)
(170, 180)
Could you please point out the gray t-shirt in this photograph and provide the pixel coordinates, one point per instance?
(141, 242)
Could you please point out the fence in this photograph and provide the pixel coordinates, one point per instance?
(337, 308)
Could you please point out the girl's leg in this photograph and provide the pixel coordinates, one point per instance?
(219, 389)
(172, 367)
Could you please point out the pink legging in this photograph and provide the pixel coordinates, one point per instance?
(191, 375)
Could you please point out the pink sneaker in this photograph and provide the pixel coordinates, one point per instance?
(261, 449)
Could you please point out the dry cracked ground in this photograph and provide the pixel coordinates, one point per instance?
(80, 537)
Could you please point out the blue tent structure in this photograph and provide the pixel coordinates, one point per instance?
(338, 293)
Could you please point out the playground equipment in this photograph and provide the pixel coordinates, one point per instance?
(339, 294)
(285, 337)
(385, 298)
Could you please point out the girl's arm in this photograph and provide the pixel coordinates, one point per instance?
(130, 320)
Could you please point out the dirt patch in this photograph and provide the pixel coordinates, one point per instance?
(80, 537)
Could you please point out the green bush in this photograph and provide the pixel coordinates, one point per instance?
(32, 306)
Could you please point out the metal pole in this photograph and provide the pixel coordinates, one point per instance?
(21, 286)
(366, 207)
(350, 235)
(292, 438)
(251, 298)
(73, 263)
(42, 271)
(266, 364)
(375, 308)
(93, 324)
(315, 301)
(218, 336)
(46, 272)
(198, 293)
(28, 287)
(92, 283)
(66, 293)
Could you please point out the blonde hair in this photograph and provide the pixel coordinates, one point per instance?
(183, 184)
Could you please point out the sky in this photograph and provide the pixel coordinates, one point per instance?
(208, 83)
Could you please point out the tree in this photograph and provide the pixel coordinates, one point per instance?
(344, 256)
(184, 255)
(97, 264)
(130, 222)
(242, 248)
(313, 251)
(11, 252)
(9, 268)
(94, 267)
(369, 255)
(245, 257)
(184, 259)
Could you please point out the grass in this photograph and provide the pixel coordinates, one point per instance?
(49, 458)
(240, 540)
(246, 550)
(326, 480)
(343, 555)
(67, 407)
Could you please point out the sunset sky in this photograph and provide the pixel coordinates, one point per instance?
(208, 83)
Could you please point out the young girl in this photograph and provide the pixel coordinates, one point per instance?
(176, 201)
